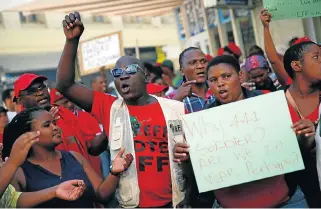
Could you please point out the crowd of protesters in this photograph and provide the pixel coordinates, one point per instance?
(110, 145)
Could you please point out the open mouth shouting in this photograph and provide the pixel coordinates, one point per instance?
(125, 88)
(223, 93)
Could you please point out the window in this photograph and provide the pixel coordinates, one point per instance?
(27, 17)
(98, 18)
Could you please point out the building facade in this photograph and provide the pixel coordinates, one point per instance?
(33, 42)
(238, 21)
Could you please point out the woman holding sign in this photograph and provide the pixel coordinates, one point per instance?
(302, 62)
(223, 77)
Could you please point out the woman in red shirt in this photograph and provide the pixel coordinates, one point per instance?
(302, 62)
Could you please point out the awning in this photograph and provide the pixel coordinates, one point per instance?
(6, 5)
(102, 7)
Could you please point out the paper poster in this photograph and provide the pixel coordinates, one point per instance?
(242, 142)
(99, 52)
(288, 9)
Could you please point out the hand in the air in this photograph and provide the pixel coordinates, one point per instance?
(265, 18)
(21, 147)
(70, 190)
(120, 163)
(73, 27)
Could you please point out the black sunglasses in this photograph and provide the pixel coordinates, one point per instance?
(129, 70)
(35, 90)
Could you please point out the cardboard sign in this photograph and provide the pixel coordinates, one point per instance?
(242, 142)
(99, 52)
(288, 9)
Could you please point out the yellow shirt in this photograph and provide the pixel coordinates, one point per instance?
(10, 198)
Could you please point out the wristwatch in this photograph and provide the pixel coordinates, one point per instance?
(113, 173)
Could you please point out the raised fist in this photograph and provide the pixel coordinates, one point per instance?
(265, 18)
(73, 27)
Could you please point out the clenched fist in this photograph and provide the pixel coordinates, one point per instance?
(265, 18)
(73, 27)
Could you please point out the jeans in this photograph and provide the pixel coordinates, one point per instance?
(296, 201)
(105, 163)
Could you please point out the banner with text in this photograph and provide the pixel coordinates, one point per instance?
(99, 52)
(242, 142)
(288, 9)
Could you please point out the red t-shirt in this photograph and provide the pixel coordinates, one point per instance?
(89, 129)
(71, 135)
(150, 138)
(295, 117)
(1, 138)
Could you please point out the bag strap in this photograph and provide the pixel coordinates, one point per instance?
(293, 104)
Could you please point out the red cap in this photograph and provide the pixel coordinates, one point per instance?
(220, 52)
(235, 49)
(154, 88)
(208, 57)
(302, 40)
(55, 95)
(24, 81)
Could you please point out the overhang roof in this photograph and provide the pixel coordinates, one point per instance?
(102, 7)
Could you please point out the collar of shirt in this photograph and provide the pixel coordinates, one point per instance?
(195, 103)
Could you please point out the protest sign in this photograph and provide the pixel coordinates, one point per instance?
(288, 9)
(242, 142)
(102, 51)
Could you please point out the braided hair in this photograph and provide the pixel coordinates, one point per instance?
(181, 57)
(20, 124)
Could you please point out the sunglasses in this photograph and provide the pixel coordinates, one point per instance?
(35, 90)
(129, 70)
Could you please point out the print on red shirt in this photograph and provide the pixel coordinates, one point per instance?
(150, 139)
(152, 158)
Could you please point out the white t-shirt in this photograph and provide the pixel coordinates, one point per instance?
(11, 115)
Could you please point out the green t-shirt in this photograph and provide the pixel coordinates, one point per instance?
(10, 198)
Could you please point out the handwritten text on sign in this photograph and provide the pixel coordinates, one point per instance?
(100, 52)
(242, 142)
(288, 9)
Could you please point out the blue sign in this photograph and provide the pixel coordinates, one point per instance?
(224, 15)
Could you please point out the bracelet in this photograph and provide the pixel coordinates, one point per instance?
(113, 173)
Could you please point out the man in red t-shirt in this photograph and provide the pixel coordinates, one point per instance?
(3, 122)
(146, 116)
(88, 125)
(30, 91)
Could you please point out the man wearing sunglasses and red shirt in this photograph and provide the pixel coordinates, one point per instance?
(144, 125)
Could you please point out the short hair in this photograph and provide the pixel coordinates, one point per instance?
(153, 69)
(181, 55)
(19, 125)
(256, 50)
(225, 59)
(295, 53)
(6, 94)
(95, 79)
